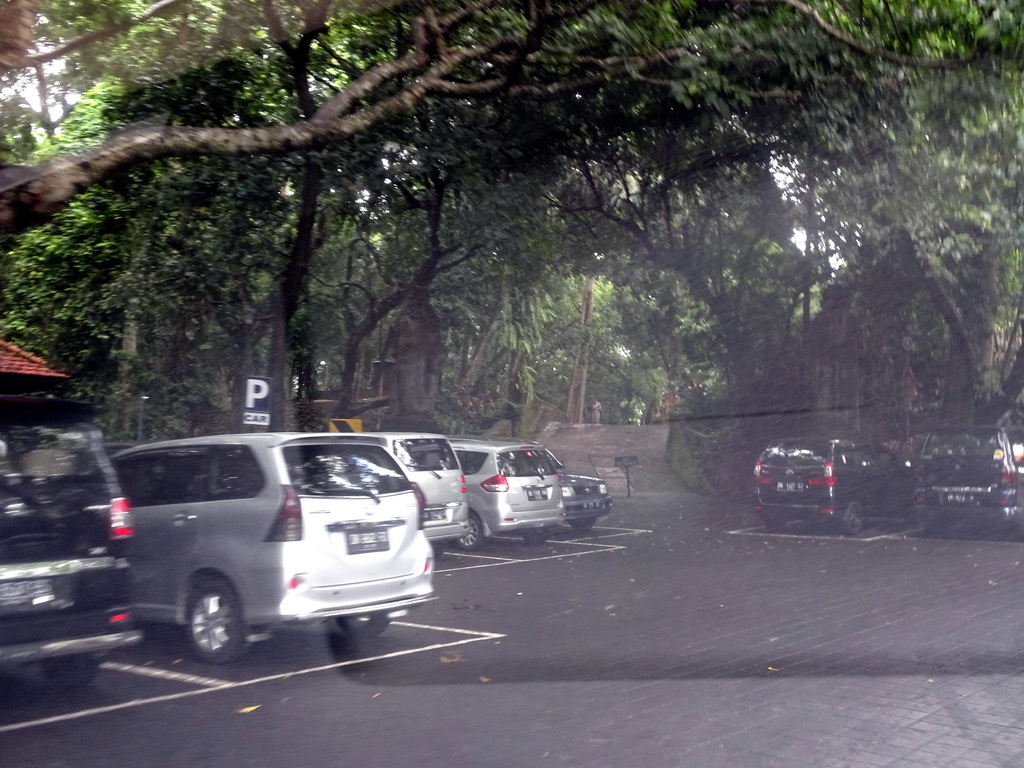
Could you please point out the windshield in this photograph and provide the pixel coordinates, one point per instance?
(982, 445)
(427, 454)
(525, 462)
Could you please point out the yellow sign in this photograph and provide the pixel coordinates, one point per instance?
(344, 425)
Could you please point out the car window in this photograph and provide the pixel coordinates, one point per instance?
(234, 473)
(968, 445)
(39, 451)
(164, 477)
(340, 469)
(885, 459)
(525, 462)
(856, 455)
(796, 453)
(426, 454)
(471, 461)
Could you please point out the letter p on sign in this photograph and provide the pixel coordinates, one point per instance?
(257, 394)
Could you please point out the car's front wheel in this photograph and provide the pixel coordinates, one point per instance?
(473, 538)
(215, 630)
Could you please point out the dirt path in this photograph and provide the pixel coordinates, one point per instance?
(593, 448)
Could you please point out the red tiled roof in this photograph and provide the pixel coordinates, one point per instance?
(18, 361)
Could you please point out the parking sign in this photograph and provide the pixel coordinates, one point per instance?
(257, 401)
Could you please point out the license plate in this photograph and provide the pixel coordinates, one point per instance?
(536, 494)
(961, 498)
(789, 487)
(366, 540)
(26, 593)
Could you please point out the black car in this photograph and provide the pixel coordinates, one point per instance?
(584, 497)
(842, 480)
(971, 476)
(64, 530)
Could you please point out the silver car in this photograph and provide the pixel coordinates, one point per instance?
(512, 488)
(236, 534)
(430, 462)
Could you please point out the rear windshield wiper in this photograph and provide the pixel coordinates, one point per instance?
(341, 492)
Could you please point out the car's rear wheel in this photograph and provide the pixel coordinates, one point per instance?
(71, 671)
(363, 627)
(852, 519)
(215, 630)
(473, 538)
(535, 536)
(583, 524)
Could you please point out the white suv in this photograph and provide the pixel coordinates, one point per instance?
(512, 487)
(238, 533)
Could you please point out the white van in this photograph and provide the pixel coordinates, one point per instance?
(235, 534)
(431, 463)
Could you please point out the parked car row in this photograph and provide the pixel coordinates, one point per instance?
(230, 536)
(963, 477)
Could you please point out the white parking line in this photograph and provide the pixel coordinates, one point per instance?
(763, 532)
(164, 674)
(604, 548)
(226, 685)
(483, 557)
(587, 541)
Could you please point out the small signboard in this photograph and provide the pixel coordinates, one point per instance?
(257, 402)
(344, 425)
(624, 463)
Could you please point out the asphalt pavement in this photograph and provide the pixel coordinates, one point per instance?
(677, 634)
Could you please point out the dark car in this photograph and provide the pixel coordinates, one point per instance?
(971, 476)
(585, 497)
(841, 480)
(64, 530)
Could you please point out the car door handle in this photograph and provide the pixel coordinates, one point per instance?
(182, 518)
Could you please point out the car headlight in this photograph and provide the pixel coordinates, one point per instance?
(567, 491)
(603, 489)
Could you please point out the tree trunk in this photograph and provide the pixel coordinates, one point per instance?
(578, 385)
(419, 358)
(290, 287)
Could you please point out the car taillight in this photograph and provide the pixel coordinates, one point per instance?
(761, 475)
(421, 502)
(1007, 478)
(462, 480)
(496, 484)
(122, 525)
(288, 523)
(828, 478)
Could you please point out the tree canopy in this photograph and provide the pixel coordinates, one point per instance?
(715, 52)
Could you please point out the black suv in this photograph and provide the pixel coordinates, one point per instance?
(585, 497)
(64, 529)
(972, 475)
(843, 480)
